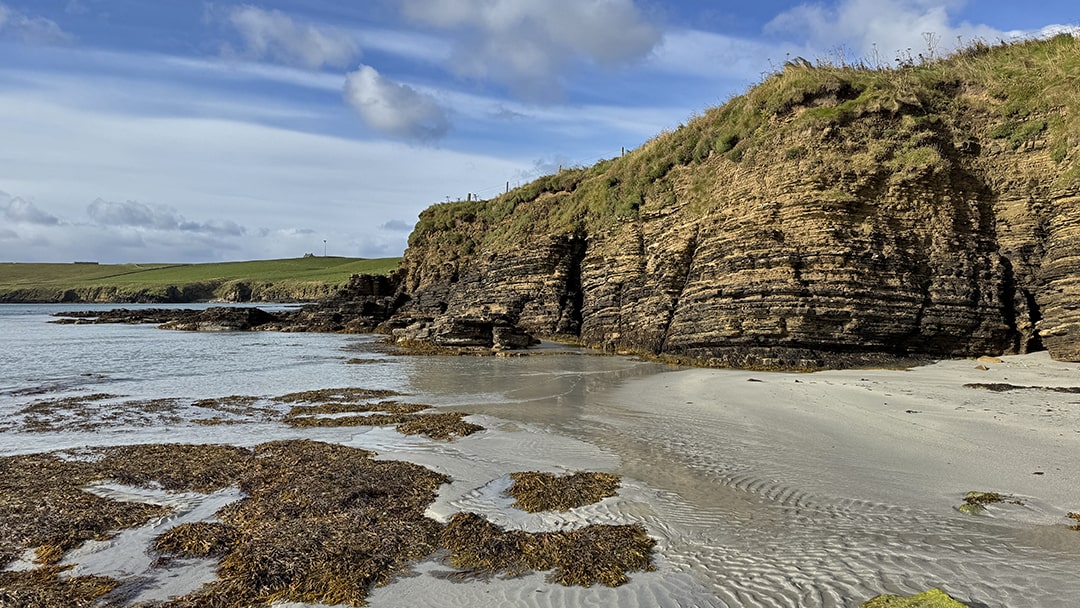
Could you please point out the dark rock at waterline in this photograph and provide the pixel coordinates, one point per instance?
(359, 307)
(484, 332)
(219, 318)
(222, 319)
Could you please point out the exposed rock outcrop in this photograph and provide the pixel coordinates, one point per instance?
(365, 302)
(873, 214)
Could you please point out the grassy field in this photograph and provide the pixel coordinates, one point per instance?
(48, 282)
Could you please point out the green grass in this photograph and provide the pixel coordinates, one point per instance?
(154, 278)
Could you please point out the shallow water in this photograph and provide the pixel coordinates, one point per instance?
(749, 507)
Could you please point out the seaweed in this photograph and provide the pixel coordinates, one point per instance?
(43, 507)
(45, 588)
(390, 407)
(444, 426)
(197, 539)
(998, 387)
(339, 395)
(322, 523)
(344, 421)
(593, 554)
(535, 492)
(975, 502)
(237, 405)
(177, 467)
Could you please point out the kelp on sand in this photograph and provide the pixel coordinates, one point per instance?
(320, 523)
(593, 554)
(535, 492)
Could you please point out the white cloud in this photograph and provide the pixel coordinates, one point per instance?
(274, 35)
(29, 29)
(288, 190)
(883, 30)
(394, 108)
(526, 44)
(713, 56)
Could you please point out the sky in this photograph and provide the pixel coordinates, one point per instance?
(136, 131)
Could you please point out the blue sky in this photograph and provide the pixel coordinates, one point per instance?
(192, 131)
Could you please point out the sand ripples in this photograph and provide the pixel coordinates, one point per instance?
(759, 540)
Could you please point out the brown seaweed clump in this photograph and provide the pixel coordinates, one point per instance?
(338, 407)
(999, 387)
(975, 502)
(44, 588)
(43, 507)
(337, 395)
(1075, 517)
(443, 426)
(245, 406)
(594, 554)
(322, 523)
(197, 539)
(534, 491)
(177, 467)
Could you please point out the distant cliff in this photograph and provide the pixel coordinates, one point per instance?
(283, 280)
(203, 291)
(829, 216)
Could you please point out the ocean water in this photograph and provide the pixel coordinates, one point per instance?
(745, 513)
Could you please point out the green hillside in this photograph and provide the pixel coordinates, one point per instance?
(889, 117)
(286, 279)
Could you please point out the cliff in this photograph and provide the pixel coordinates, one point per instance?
(829, 216)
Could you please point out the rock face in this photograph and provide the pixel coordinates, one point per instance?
(823, 236)
(365, 302)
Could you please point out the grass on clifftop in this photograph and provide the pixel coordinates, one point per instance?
(907, 119)
(153, 278)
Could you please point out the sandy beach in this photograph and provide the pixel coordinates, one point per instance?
(785, 489)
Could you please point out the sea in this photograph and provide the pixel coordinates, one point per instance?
(739, 520)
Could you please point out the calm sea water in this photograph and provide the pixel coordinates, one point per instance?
(43, 360)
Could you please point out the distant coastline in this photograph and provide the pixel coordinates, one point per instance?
(286, 280)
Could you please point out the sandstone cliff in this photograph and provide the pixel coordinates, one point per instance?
(830, 216)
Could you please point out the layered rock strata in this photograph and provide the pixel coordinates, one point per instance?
(896, 231)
